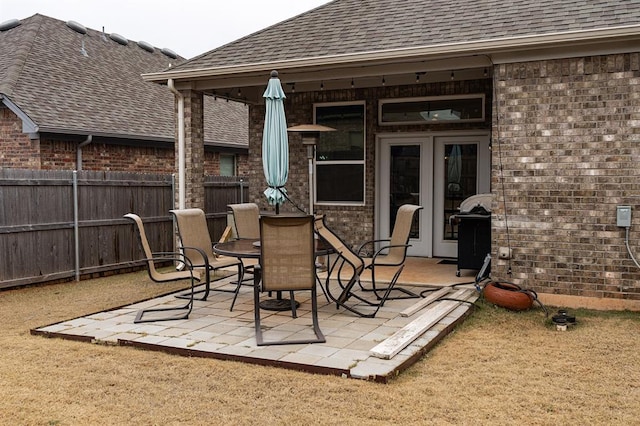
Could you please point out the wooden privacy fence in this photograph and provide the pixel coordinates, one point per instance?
(57, 225)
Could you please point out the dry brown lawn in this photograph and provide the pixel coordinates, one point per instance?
(499, 367)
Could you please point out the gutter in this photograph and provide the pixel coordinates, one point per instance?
(181, 145)
(471, 47)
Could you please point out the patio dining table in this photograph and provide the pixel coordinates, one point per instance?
(249, 248)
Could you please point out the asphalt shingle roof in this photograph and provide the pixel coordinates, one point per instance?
(44, 72)
(357, 26)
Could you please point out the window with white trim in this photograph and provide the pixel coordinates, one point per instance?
(432, 110)
(340, 155)
(227, 165)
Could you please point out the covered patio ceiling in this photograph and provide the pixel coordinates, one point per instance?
(245, 82)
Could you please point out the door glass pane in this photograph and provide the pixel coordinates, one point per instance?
(404, 182)
(460, 181)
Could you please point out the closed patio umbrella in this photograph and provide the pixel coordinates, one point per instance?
(275, 143)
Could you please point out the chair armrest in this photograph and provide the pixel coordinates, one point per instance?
(162, 254)
(170, 256)
(375, 255)
(202, 254)
(366, 243)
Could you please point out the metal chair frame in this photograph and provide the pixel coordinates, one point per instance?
(151, 258)
(201, 253)
(246, 218)
(392, 254)
(346, 271)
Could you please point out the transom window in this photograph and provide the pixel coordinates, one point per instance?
(435, 109)
(340, 167)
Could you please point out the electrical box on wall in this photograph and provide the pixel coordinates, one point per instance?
(624, 216)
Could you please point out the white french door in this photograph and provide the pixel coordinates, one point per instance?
(436, 172)
(403, 178)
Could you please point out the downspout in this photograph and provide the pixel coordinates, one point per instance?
(79, 151)
(181, 147)
(76, 230)
(76, 224)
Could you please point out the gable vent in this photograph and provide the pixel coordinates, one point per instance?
(7, 25)
(146, 46)
(170, 53)
(79, 28)
(118, 39)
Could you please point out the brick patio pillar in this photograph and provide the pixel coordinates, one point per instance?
(194, 150)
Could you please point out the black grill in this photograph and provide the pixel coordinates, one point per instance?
(474, 231)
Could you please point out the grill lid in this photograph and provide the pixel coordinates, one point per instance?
(476, 204)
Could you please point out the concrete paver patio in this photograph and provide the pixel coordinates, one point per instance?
(213, 331)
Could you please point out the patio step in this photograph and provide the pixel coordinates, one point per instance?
(410, 332)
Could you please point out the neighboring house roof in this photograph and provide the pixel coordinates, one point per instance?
(347, 27)
(67, 82)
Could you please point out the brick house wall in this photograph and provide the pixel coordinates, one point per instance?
(569, 149)
(354, 223)
(18, 151)
(61, 155)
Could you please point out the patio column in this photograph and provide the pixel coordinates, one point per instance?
(194, 150)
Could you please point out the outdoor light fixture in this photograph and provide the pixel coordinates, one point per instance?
(310, 134)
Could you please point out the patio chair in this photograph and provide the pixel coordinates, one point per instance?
(151, 258)
(246, 218)
(346, 270)
(391, 254)
(196, 245)
(287, 263)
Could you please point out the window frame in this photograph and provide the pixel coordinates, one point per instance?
(471, 96)
(361, 162)
(234, 157)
